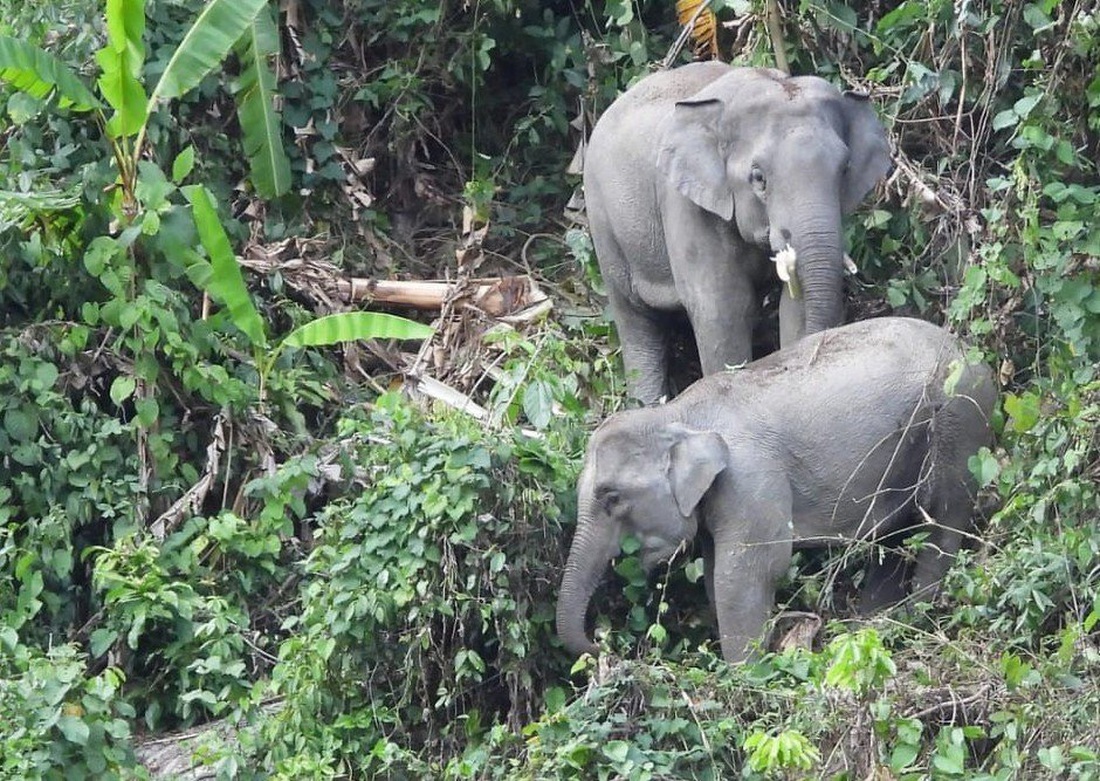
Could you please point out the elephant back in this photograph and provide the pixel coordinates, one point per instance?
(888, 365)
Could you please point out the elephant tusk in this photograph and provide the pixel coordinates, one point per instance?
(785, 261)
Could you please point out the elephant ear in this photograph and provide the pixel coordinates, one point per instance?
(868, 150)
(691, 155)
(695, 459)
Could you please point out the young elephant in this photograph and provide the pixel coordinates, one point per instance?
(854, 433)
(694, 177)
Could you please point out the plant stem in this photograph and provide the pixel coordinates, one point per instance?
(775, 33)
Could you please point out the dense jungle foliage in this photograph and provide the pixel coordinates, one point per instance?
(217, 510)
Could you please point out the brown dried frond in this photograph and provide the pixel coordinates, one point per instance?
(705, 28)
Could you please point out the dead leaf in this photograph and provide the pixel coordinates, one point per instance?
(796, 630)
(704, 26)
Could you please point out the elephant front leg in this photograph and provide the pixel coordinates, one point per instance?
(645, 351)
(723, 324)
(745, 577)
(715, 272)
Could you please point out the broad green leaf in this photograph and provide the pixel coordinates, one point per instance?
(126, 31)
(260, 122)
(1037, 18)
(616, 750)
(555, 699)
(1023, 411)
(226, 284)
(220, 25)
(23, 107)
(147, 411)
(1024, 106)
(123, 92)
(122, 60)
(153, 188)
(903, 756)
(38, 73)
(45, 375)
(18, 209)
(20, 424)
(621, 12)
(1006, 118)
(122, 388)
(351, 326)
(100, 255)
(984, 466)
(198, 269)
(183, 164)
(538, 404)
(74, 729)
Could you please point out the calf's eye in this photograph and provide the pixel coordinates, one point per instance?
(609, 500)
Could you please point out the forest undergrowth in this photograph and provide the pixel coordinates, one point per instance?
(304, 534)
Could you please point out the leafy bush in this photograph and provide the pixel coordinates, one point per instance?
(207, 512)
(426, 611)
(61, 720)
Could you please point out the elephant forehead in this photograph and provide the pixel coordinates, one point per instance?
(740, 91)
(628, 466)
(799, 147)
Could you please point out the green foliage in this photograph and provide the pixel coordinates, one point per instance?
(557, 375)
(350, 326)
(788, 750)
(59, 720)
(636, 720)
(427, 585)
(47, 515)
(859, 663)
(38, 73)
(121, 62)
(379, 601)
(260, 122)
(225, 283)
(216, 29)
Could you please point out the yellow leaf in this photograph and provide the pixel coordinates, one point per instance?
(705, 30)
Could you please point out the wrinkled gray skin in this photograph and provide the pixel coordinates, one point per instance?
(694, 177)
(847, 435)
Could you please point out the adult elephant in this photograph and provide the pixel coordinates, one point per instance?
(693, 177)
(858, 434)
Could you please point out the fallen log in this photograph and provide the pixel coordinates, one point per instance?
(515, 297)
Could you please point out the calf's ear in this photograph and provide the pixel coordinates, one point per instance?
(695, 459)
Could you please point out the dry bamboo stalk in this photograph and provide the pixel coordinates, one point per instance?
(496, 296)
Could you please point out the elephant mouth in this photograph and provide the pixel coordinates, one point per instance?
(654, 557)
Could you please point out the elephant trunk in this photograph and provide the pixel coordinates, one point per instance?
(593, 547)
(816, 239)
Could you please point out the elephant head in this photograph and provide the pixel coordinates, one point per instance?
(783, 158)
(645, 480)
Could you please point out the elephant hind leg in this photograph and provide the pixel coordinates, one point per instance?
(884, 528)
(885, 579)
(950, 520)
(645, 350)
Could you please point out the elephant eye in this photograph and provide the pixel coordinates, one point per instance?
(609, 500)
(756, 177)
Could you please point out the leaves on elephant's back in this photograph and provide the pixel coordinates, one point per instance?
(705, 28)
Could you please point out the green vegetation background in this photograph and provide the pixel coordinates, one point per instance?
(195, 526)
